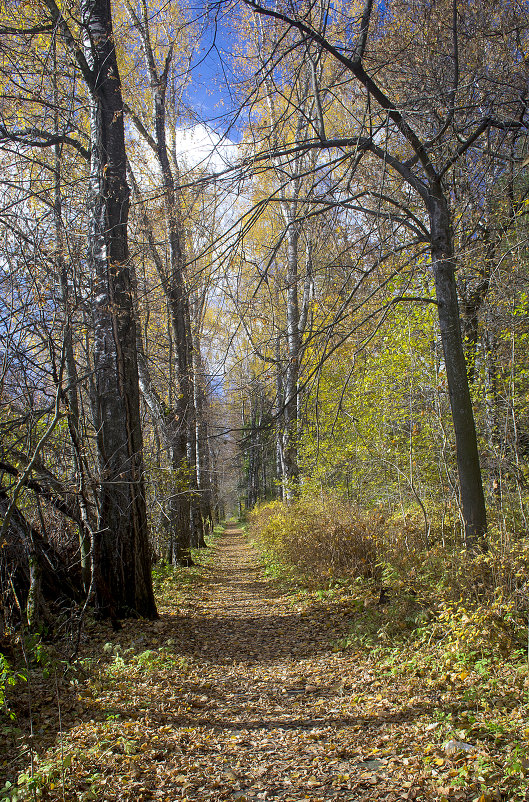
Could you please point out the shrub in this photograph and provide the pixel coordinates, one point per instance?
(327, 538)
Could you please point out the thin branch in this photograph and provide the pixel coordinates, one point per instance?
(364, 31)
(36, 138)
(355, 66)
(140, 128)
(7, 30)
(482, 127)
(58, 19)
(24, 476)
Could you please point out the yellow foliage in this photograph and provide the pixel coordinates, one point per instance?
(328, 538)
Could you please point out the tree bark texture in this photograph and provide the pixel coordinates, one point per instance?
(178, 302)
(123, 583)
(470, 482)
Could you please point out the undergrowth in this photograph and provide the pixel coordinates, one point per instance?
(323, 539)
(451, 624)
(38, 683)
(163, 571)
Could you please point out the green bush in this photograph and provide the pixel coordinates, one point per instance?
(8, 678)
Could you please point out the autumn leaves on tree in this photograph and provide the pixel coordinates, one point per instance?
(338, 306)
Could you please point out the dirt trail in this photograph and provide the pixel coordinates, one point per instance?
(239, 695)
(269, 707)
(244, 618)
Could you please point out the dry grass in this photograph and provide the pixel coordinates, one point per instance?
(327, 538)
(332, 540)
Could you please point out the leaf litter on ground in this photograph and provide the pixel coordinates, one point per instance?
(248, 689)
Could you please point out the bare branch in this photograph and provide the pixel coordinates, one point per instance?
(356, 68)
(37, 138)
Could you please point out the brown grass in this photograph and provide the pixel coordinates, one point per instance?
(326, 538)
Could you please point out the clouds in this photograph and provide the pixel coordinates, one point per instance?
(200, 147)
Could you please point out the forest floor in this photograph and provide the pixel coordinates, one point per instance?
(238, 692)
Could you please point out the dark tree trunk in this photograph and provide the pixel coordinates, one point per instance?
(123, 583)
(443, 263)
(176, 290)
(168, 421)
(472, 300)
(74, 429)
(182, 500)
(170, 432)
(216, 500)
(280, 467)
(253, 451)
(471, 305)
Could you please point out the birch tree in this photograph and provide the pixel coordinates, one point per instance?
(417, 139)
(121, 558)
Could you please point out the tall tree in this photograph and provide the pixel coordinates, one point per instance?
(418, 146)
(122, 578)
(185, 516)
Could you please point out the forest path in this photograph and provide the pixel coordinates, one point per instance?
(238, 693)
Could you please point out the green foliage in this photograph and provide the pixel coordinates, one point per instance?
(38, 781)
(9, 677)
(378, 438)
(32, 652)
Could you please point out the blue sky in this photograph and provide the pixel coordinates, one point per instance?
(212, 73)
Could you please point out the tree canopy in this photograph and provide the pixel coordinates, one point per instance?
(330, 298)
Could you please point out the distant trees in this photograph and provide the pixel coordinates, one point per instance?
(411, 121)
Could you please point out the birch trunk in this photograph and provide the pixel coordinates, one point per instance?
(122, 578)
